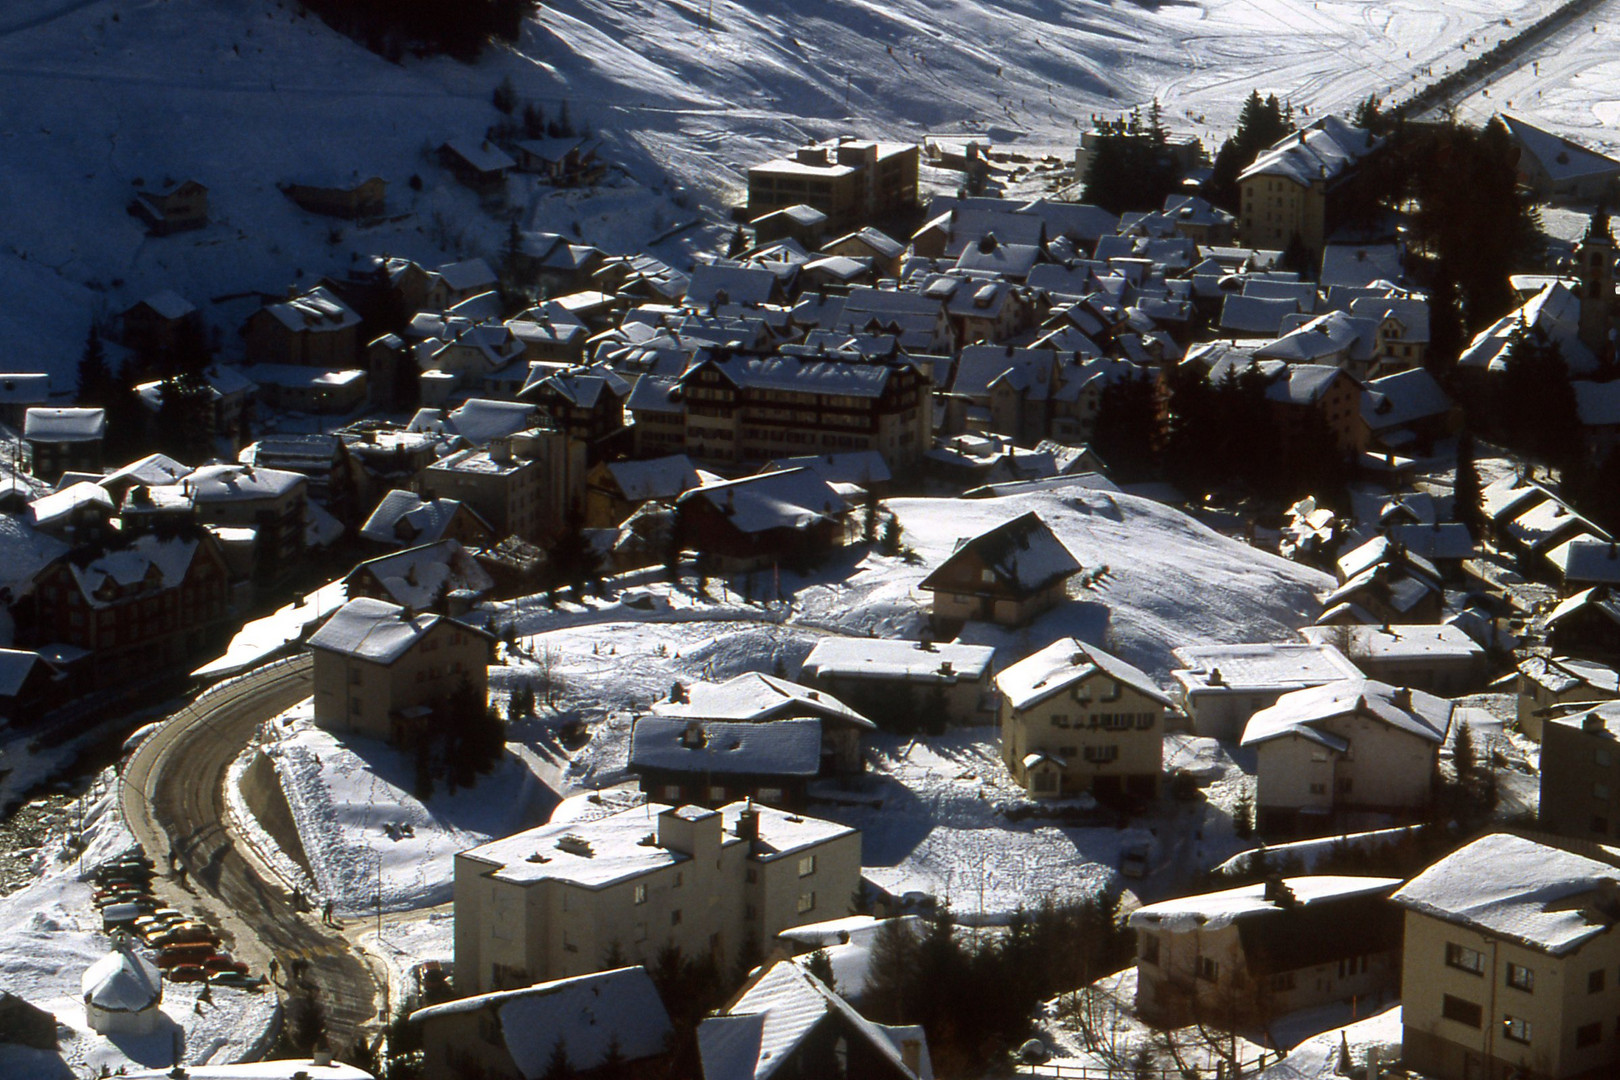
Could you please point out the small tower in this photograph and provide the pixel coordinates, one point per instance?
(1594, 268)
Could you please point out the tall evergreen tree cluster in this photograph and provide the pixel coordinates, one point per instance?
(1261, 123)
(975, 994)
(1131, 167)
(391, 27)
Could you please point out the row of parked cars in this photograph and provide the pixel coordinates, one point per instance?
(187, 949)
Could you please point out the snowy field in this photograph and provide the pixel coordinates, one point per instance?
(50, 932)
(241, 94)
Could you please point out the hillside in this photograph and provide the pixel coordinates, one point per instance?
(240, 94)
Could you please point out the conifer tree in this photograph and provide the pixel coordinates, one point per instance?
(95, 381)
(1466, 505)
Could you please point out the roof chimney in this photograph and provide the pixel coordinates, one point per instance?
(748, 823)
(1403, 697)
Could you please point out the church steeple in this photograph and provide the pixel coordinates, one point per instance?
(1594, 268)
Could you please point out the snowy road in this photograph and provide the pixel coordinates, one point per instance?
(173, 791)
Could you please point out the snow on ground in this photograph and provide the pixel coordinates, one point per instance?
(50, 932)
(1317, 1058)
(360, 824)
(686, 95)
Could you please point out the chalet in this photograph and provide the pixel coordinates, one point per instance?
(481, 165)
(1075, 719)
(138, 610)
(1251, 954)
(569, 161)
(755, 698)
(271, 502)
(352, 197)
(607, 1019)
(906, 685)
(1586, 625)
(405, 519)
(314, 329)
(172, 207)
(1352, 747)
(550, 263)
(1294, 192)
(786, 1022)
(714, 762)
(585, 402)
(614, 489)
(1006, 576)
(1438, 658)
(1547, 684)
(64, 440)
(154, 325)
(1508, 963)
(800, 223)
(380, 669)
(441, 576)
(1222, 686)
(792, 517)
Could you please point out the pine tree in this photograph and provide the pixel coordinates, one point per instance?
(1466, 501)
(819, 964)
(504, 97)
(95, 380)
(558, 1067)
(1127, 426)
(1463, 760)
(891, 974)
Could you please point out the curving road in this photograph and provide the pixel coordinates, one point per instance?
(173, 793)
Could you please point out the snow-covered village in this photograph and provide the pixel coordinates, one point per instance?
(728, 540)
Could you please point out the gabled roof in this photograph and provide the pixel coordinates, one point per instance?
(122, 981)
(422, 576)
(754, 697)
(789, 499)
(1063, 664)
(64, 425)
(1561, 158)
(426, 518)
(1024, 554)
(374, 630)
(1543, 897)
(760, 1032)
(587, 1013)
(655, 478)
(1300, 711)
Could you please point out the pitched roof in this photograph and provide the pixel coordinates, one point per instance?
(64, 425)
(755, 697)
(1023, 553)
(788, 499)
(1064, 663)
(1298, 712)
(372, 630)
(1533, 894)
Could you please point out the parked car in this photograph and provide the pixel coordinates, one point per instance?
(188, 973)
(116, 916)
(238, 980)
(1134, 859)
(223, 962)
(187, 933)
(177, 956)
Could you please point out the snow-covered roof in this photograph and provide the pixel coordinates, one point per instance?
(1254, 315)
(1381, 549)
(318, 310)
(1598, 596)
(1063, 664)
(594, 854)
(235, 483)
(1361, 264)
(888, 658)
(1303, 384)
(1590, 559)
(781, 748)
(1562, 159)
(483, 155)
(64, 425)
(755, 697)
(122, 981)
(151, 470)
(421, 576)
(1248, 668)
(787, 499)
(162, 563)
(478, 420)
(765, 1026)
(426, 519)
(587, 1013)
(15, 666)
(266, 636)
(1403, 709)
(468, 275)
(48, 510)
(281, 1069)
(1398, 641)
(1315, 155)
(1506, 885)
(1023, 553)
(1212, 911)
(372, 630)
(655, 478)
(168, 304)
(24, 388)
(863, 467)
(1561, 674)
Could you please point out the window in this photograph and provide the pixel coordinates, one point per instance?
(641, 931)
(1600, 791)
(354, 676)
(641, 893)
(680, 876)
(1208, 968)
(807, 901)
(1516, 1029)
(1594, 982)
(1464, 958)
(1600, 825)
(1343, 785)
(717, 793)
(1150, 948)
(1459, 1010)
(675, 917)
(1521, 978)
(1600, 757)
(1588, 1034)
(1102, 755)
(807, 865)
(1318, 788)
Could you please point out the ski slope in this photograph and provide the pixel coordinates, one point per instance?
(240, 94)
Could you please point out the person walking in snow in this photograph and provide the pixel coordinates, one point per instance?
(326, 913)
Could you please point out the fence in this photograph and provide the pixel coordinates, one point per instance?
(1220, 1070)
